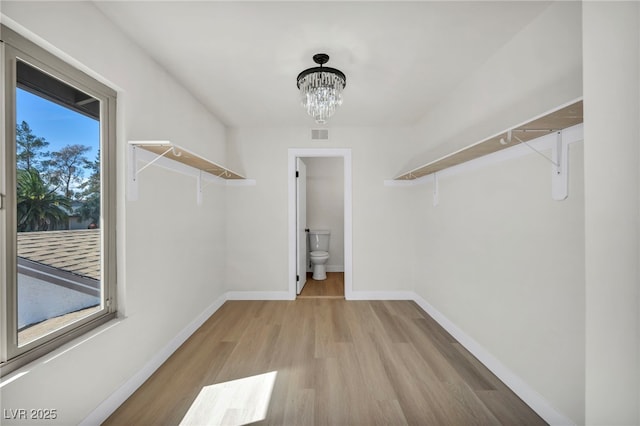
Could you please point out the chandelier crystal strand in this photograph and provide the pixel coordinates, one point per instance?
(321, 92)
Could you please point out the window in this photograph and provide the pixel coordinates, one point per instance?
(57, 194)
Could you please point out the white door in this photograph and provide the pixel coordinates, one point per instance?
(301, 223)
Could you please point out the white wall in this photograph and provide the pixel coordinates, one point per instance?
(536, 71)
(161, 236)
(505, 263)
(500, 259)
(612, 211)
(325, 204)
(257, 220)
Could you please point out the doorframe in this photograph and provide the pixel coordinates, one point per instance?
(345, 153)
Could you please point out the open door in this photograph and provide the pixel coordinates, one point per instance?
(301, 224)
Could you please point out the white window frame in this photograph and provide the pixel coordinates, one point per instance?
(13, 48)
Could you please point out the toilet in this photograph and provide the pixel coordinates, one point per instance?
(319, 252)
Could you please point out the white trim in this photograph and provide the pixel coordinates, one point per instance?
(117, 398)
(382, 295)
(345, 153)
(532, 398)
(569, 135)
(259, 295)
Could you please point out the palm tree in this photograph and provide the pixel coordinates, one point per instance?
(38, 206)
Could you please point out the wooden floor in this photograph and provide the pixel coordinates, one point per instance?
(322, 362)
(331, 288)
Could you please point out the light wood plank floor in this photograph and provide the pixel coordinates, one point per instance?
(323, 362)
(331, 288)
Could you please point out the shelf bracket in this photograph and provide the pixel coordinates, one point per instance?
(177, 154)
(436, 191)
(132, 178)
(551, 160)
(201, 185)
(560, 168)
(134, 171)
(559, 165)
(199, 188)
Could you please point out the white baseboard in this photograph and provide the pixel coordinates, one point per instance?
(109, 405)
(381, 295)
(532, 398)
(258, 295)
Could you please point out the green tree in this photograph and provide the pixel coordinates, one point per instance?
(90, 209)
(90, 194)
(29, 148)
(66, 167)
(39, 207)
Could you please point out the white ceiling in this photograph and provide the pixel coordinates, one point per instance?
(241, 59)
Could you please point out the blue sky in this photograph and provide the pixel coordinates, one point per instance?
(60, 126)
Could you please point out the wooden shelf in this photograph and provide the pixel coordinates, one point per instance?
(555, 121)
(176, 158)
(174, 152)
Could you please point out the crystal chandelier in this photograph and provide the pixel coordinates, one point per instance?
(321, 89)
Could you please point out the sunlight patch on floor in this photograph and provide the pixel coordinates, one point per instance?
(234, 403)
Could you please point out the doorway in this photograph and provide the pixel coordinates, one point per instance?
(330, 288)
(297, 266)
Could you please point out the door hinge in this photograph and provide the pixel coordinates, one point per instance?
(306, 230)
(297, 174)
(297, 277)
